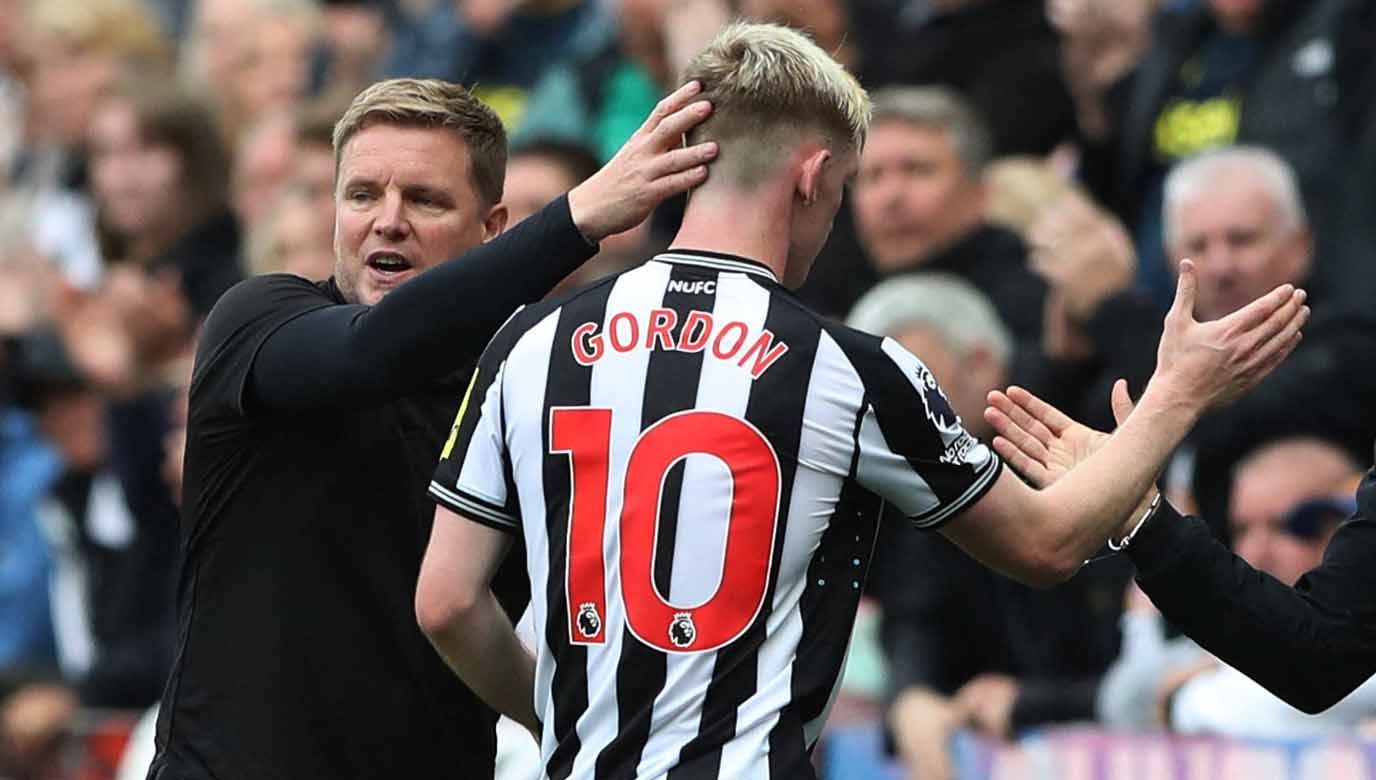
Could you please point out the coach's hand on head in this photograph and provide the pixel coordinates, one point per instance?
(651, 166)
(1211, 363)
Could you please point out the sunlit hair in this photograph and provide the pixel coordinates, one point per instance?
(768, 85)
(438, 104)
(122, 29)
(1189, 177)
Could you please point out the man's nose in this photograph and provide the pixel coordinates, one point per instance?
(391, 219)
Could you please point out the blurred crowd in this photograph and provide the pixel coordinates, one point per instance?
(1035, 171)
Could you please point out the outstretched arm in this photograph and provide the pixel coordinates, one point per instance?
(1311, 645)
(440, 321)
(1043, 536)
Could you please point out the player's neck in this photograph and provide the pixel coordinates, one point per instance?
(749, 224)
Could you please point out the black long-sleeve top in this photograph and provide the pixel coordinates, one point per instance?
(313, 428)
(1311, 645)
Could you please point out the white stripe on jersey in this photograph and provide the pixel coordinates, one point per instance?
(482, 464)
(700, 545)
(524, 407)
(618, 382)
(824, 457)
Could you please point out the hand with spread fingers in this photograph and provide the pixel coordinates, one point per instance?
(1038, 440)
(650, 167)
(1206, 364)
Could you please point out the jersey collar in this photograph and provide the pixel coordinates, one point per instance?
(717, 260)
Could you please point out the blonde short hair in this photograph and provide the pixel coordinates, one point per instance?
(433, 103)
(123, 29)
(765, 80)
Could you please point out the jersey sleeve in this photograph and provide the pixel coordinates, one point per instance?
(913, 450)
(474, 475)
(235, 331)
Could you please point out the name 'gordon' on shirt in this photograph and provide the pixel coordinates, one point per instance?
(733, 341)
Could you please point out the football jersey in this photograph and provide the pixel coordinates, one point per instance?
(696, 463)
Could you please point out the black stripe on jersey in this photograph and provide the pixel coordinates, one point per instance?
(671, 385)
(567, 384)
(776, 405)
(829, 615)
(787, 740)
(899, 413)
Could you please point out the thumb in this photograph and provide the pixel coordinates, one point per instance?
(1185, 289)
(1121, 401)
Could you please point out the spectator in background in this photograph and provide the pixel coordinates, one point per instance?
(297, 234)
(252, 57)
(596, 98)
(294, 239)
(1288, 498)
(919, 202)
(313, 167)
(111, 528)
(1001, 54)
(69, 52)
(263, 165)
(953, 326)
(499, 47)
(965, 646)
(1237, 213)
(355, 37)
(1097, 327)
(541, 171)
(160, 180)
(1286, 74)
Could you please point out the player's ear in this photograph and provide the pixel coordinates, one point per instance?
(810, 176)
(495, 222)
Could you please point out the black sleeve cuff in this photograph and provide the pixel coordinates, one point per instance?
(562, 214)
(1163, 541)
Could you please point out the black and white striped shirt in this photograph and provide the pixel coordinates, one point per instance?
(696, 463)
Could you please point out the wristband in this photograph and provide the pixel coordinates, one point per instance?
(1122, 544)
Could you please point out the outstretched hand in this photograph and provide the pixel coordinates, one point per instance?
(1041, 442)
(1205, 364)
(651, 166)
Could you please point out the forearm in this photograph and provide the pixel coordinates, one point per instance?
(429, 327)
(1310, 645)
(482, 648)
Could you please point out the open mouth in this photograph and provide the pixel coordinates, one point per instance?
(388, 263)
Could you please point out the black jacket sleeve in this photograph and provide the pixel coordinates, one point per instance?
(433, 325)
(1311, 645)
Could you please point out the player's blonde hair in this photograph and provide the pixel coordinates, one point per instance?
(767, 83)
(433, 103)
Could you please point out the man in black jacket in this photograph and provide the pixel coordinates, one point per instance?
(1311, 645)
(317, 409)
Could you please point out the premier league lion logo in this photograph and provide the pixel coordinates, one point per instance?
(589, 623)
(939, 410)
(682, 632)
